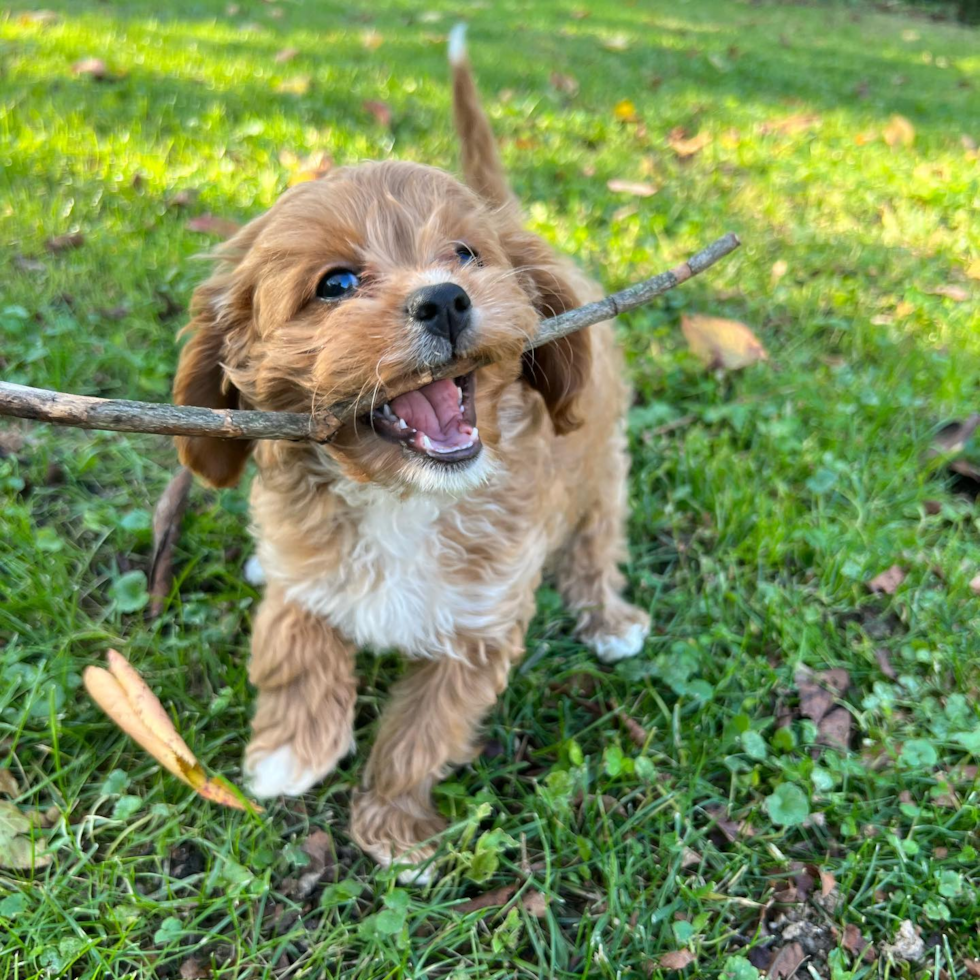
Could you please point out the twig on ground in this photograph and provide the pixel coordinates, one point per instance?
(129, 416)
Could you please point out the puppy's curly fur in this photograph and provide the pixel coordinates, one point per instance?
(384, 539)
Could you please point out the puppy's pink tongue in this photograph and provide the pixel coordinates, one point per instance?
(434, 411)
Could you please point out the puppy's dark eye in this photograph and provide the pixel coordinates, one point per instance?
(336, 284)
(466, 255)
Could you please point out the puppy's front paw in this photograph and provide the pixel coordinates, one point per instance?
(619, 634)
(284, 772)
(397, 832)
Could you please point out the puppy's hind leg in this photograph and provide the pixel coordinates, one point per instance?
(589, 578)
(303, 723)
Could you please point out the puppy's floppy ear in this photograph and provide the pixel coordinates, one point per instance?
(559, 370)
(221, 311)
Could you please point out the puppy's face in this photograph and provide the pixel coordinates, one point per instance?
(347, 285)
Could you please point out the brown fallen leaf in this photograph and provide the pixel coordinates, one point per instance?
(887, 581)
(380, 110)
(318, 164)
(297, 85)
(690, 858)
(183, 198)
(535, 903)
(94, 68)
(490, 899)
(636, 732)
(899, 132)
(211, 224)
(730, 830)
(124, 696)
(372, 40)
(685, 147)
(677, 959)
(953, 437)
(779, 269)
(885, 664)
(975, 584)
(720, 343)
(20, 848)
(167, 516)
(62, 243)
(636, 188)
(193, 969)
(8, 783)
(287, 54)
(827, 883)
(42, 17)
(853, 941)
(956, 293)
(566, 84)
(786, 962)
(972, 967)
(790, 124)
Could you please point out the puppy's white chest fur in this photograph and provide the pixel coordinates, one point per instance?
(406, 582)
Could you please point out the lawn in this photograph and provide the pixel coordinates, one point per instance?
(685, 805)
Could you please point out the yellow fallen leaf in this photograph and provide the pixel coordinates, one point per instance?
(20, 848)
(625, 111)
(616, 42)
(899, 131)
(720, 343)
(904, 309)
(779, 269)
(372, 40)
(685, 148)
(634, 187)
(973, 269)
(124, 696)
(297, 85)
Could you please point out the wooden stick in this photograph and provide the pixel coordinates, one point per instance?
(184, 420)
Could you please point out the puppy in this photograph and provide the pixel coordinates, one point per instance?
(427, 523)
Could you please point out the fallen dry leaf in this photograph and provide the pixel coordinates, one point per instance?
(318, 164)
(887, 581)
(167, 516)
(42, 17)
(720, 343)
(297, 85)
(636, 732)
(690, 858)
(26, 264)
(818, 694)
(677, 959)
(62, 243)
(20, 848)
(899, 132)
(853, 941)
(625, 111)
(490, 899)
(975, 584)
(634, 187)
(779, 269)
(535, 903)
(972, 967)
(580, 13)
(956, 293)
(908, 944)
(567, 84)
(183, 198)
(616, 42)
(786, 962)
(684, 147)
(728, 827)
(8, 783)
(193, 969)
(827, 883)
(372, 40)
(124, 696)
(380, 110)
(94, 68)
(885, 664)
(211, 224)
(973, 269)
(790, 124)
(287, 54)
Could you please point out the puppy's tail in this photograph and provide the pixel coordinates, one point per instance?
(482, 169)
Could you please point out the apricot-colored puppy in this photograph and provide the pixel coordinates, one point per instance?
(427, 524)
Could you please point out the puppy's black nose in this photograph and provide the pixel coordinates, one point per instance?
(443, 309)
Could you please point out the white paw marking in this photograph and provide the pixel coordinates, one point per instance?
(254, 572)
(457, 45)
(278, 774)
(611, 648)
(417, 876)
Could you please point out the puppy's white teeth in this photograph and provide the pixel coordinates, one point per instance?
(474, 435)
(426, 442)
(387, 412)
(402, 424)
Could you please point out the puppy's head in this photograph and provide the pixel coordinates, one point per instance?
(349, 283)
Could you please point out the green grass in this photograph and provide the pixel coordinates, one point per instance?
(755, 521)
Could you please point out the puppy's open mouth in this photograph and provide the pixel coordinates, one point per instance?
(437, 420)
